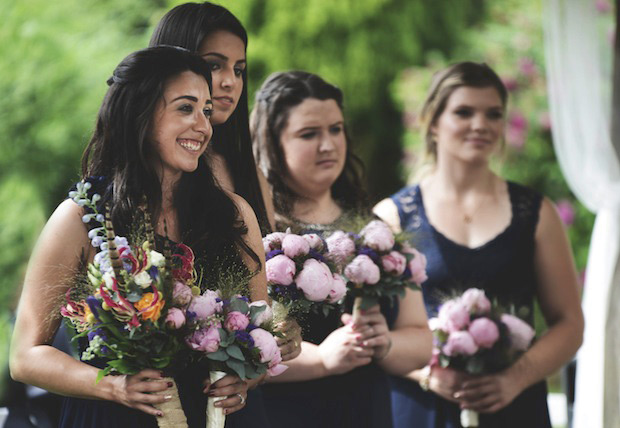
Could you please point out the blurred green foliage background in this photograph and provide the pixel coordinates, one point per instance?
(56, 57)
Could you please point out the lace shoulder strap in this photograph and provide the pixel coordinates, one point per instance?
(408, 202)
(526, 205)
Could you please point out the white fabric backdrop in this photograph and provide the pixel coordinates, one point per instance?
(580, 87)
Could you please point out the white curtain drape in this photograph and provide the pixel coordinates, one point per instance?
(579, 79)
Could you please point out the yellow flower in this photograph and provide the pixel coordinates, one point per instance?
(154, 310)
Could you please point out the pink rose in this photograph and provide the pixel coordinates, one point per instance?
(175, 318)
(315, 280)
(453, 316)
(340, 246)
(206, 339)
(476, 301)
(265, 316)
(521, 333)
(484, 331)
(235, 320)
(378, 236)
(460, 343)
(294, 246)
(269, 351)
(273, 241)
(417, 265)
(362, 270)
(394, 262)
(207, 304)
(280, 270)
(314, 240)
(339, 288)
(181, 294)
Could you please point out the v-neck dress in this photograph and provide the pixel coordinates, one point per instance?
(504, 268)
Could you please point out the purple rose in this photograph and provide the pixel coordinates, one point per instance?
(206, 339)
(315, 280)
(378, 236)
(209, 303)
(181, 294)
(273, 241)
(340, 246)
(265, 316)
(362, 270)
(394, 262)
(314, 240)
(235, 320)
(521, 334)
(484, 331)
(269, 351)
(280, 270)
(175, 318)
(339, 288)
(453, 316)
(417, 265)
(460, 343)
(294, 246)
(476, 301)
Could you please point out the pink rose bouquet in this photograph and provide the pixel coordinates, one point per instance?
(299, 275)
(376, 263)
(475, 336)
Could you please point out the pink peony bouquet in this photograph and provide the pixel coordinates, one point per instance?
(299, 275)
(376, 263)
(477, 337)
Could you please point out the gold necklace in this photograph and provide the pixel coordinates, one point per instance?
(468, 218)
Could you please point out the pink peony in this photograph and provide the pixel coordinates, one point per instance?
(206, 305)
(394, 262)
(484, 331)
(362, 270)
(460, 343)
(521, 334)
(378, 236)
(264, 316)
(340, 246)
(315, 280)
(175, 318)
(339, 288)
(294, 246)
(417, 265)
(181, 294)
(269, 351)
(273, 241)
(453, 316)
(207, 340)
(566, 211)
(280, 270)
(314, 240)
(476, 301)
(235, 320)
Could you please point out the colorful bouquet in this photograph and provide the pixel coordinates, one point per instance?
(300, 275)
(474, 336)
(125, 308)
(376, 263)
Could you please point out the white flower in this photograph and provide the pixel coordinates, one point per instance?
(108, 279)
(143, 279)
(157, 259)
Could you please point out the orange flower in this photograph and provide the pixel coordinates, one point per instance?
(149, 310)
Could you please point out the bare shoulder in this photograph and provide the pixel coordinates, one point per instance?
(387, 211)
(549, 222)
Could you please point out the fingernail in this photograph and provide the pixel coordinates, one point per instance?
(168, 397)
(160, 414)
(170, 384)
(457, 395)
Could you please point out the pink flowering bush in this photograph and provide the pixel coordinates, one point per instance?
(473, 335)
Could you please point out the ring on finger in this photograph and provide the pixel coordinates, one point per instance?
(242, 402)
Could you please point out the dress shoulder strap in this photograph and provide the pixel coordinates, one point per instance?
(408, 203)
(526, 204)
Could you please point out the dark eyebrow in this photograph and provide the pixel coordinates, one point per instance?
(187, 97)
(223, 57)
(208, 102)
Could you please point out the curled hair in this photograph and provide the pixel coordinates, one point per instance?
(445, 82)
(277, 96)
(121, 149)
(187, 25)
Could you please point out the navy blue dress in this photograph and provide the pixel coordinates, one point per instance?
(504, 268)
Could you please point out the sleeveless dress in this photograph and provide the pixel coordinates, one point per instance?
(357, 399)
(87, 413)
(504, 268)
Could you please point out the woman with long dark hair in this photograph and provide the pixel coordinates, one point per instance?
(151, 133)
(339, 380)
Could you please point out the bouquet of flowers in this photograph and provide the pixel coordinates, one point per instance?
(125, 308)
(474, 336)
(376, 263)
(300, 275)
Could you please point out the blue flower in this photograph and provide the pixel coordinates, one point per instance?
(271, 254)
(245, 338)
